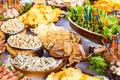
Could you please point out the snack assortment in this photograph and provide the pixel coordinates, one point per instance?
(61, 43)
(35, 63)
(39, 48)
(12, 26)
(7, 73)
(24, 41)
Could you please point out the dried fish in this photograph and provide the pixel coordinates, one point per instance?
(35, 63)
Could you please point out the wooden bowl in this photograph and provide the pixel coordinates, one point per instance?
(2, 54)
(15, 51)
(38, 74)
(6, 35)
(95, 37)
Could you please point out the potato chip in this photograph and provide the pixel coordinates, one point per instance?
(107, 5)
(71, 74)
(40, 14)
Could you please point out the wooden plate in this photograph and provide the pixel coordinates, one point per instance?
(15, 51)
(38, 74)
(95, 37)
(2, 54)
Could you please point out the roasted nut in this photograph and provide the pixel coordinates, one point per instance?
(24, 41)
(12, 26)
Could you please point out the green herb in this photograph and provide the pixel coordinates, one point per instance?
(9, 67)
(53, 6)
(22, 76)
(97, 63)
(26, 8)
(112, 26)
(1, 16)
(21, 11)
(87, 2)
(1, 63)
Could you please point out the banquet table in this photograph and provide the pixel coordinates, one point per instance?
(85, 42)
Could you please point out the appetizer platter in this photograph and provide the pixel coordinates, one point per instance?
(12, 8)
(43, 42)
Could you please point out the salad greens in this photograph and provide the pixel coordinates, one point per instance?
(97, 64)
(1, 63)
(10, 67)
(94, 19)
(22, 76)
(26, 8)
(1, 16)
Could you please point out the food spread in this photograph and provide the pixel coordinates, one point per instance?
(60, 43)
(40, 44)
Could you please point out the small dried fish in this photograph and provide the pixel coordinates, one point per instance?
(35, 63)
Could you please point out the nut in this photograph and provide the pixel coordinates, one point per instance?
(12, 26)
(24, 41)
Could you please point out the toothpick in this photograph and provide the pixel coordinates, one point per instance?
(106, 47)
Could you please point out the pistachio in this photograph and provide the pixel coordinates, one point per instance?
(12, 26)
(24, 41)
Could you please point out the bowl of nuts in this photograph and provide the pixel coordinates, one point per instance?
(24, 43)
(34, 66)
(11, 27)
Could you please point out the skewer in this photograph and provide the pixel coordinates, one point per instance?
(108, 50)
(7, 3)
(2, 3)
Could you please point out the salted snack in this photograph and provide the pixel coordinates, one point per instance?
(107, 5)
(24, 41)
(39, 14)
(7, 73)
(35, 63)
(71, 74)
(12, 26)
